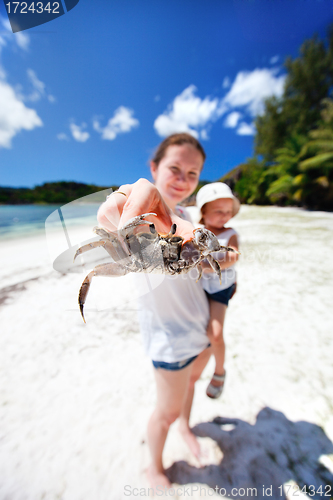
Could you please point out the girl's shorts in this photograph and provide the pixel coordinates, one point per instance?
(178, 365)
(223, 296)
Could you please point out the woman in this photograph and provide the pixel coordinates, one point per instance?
(174, 315)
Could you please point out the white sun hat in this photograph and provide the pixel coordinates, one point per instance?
(215, 191)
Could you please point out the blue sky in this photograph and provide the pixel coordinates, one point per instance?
(88, 96)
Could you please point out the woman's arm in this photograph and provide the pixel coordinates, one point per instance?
(228, 260)
(140, 198)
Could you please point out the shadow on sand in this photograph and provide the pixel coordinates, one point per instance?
(269, 453)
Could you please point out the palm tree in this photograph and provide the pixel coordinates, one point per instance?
(282, 174)
(316, 158)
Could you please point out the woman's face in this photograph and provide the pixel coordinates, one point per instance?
(177, 174)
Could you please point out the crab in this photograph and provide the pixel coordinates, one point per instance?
(150, 252)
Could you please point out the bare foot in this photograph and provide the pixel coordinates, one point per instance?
(190, 440)
(157, 480)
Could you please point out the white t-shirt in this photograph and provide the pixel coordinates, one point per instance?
(210, 281)
(173, 315)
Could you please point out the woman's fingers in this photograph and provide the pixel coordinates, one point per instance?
(109, 213)
(136, 199)
(145, 198)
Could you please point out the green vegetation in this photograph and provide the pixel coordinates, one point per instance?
(293, 161)
(48, 193)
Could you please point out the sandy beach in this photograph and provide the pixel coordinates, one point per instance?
(75, 398)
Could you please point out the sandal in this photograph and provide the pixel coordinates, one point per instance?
(214, 391)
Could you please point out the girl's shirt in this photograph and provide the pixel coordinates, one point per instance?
(173, 314)
(210, 281)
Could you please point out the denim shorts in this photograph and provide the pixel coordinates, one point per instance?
(223, 296)
(178, 365)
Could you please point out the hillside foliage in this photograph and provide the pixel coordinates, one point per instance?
(48, 193)
(293, 160)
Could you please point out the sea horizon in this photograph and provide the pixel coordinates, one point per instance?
(17, 221)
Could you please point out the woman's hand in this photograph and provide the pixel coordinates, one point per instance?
(140, 198)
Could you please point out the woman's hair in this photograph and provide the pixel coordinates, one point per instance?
(177, 140)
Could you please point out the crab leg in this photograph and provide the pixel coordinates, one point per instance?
(115, 251)
(101, 232)
(215, 266)
(90, 246)
(111, 270)
(229, 249)
(199, 267)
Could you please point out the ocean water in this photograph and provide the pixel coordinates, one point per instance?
(17, 221)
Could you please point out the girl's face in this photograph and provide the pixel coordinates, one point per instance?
(177, 174)
(217, 213)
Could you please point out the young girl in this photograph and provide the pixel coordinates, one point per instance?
(174, 315)
(217, 206)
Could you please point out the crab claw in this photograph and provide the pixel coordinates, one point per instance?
(139, 220)
(84, 291)
(206, 241)
(113, 269)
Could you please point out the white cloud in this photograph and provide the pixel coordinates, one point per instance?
(187, 113)
(77, 132)
(274, 59)
(3, 36)
(38, 89)
(62, 137)
(157, 98)
(232, 119)
(121, 122)
(204, 135)
(226, 82)
(2, 42)
(251, 88)
(14, 115)
(22, 39)
(243, 100)
(246, 129)
(38, 86)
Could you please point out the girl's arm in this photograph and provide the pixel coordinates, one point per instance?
(140, 198)
(228, 260)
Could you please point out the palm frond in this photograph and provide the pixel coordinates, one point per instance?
(317, 161)
(282, 185)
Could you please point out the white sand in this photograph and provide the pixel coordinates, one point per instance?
(75, 399)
